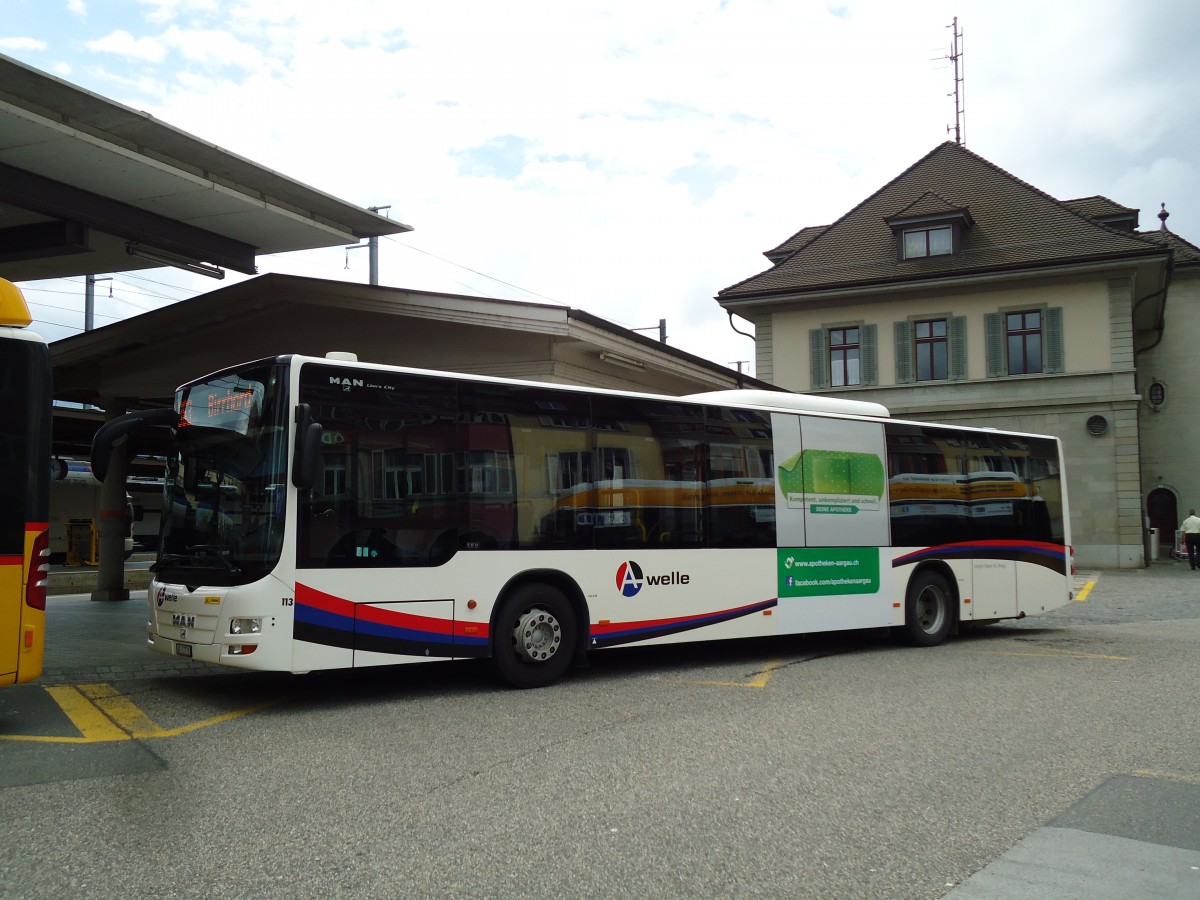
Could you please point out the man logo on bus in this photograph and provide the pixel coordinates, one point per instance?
(629, 578)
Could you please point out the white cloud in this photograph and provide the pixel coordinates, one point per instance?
(21, 43)
(160, 11)
(122, 43)
(212, 47)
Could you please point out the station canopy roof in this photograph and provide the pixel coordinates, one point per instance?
(90, 186)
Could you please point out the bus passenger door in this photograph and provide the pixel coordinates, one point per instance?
(994, 586)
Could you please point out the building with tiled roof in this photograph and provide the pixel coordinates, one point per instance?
(959, 293)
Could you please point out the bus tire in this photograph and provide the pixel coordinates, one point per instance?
(535, 636)
(928, 609)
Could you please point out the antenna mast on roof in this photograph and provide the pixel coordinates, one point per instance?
(960, 115)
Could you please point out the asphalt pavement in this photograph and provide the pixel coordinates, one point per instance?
(1130, 836)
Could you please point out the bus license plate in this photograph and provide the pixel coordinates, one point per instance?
(183, 650)
(181, 621)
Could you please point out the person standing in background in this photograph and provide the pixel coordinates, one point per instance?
(1191, 535)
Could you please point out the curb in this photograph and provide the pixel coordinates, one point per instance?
(84, 581)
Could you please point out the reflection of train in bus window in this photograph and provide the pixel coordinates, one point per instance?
(957, 486)
(681, 478)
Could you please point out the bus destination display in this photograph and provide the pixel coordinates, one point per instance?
(233, 405)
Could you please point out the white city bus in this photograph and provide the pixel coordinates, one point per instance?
(325, 513)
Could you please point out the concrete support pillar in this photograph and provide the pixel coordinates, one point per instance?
(110, 575)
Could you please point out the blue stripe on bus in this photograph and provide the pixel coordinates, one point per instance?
(650, 630)
(1051, 556)
(319, 626)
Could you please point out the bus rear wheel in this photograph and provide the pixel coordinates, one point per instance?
(928, 615)
(535, 637)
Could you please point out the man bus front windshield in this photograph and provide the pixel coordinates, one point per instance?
(225, 486)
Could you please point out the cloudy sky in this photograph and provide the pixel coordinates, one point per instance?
(625, 157)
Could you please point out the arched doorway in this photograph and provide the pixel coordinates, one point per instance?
(1162, 508)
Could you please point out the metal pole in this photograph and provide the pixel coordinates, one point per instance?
(89, 304)
(373, 244)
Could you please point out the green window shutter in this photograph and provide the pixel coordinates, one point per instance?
(870, 354)
(993, 336)
(1052, 339)
(958, 348)
(904, 353)
(818, 359)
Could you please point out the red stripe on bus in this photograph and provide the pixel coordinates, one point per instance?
(326, 602)
(329, 603)
(397, 619)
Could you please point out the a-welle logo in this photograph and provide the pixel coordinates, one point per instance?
(630, 579)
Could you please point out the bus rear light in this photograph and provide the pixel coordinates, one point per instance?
(35, 588)
(30, 632)
(245, 626)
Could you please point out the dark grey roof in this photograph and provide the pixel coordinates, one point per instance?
(794, 243)
(930, 203)
(1100, 207)
(1015, 226)
(1183, 252)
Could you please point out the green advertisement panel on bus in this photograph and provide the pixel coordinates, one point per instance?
(824, 571)
(833, 481)
(826, 494)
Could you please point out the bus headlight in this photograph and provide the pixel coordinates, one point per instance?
(245, 626)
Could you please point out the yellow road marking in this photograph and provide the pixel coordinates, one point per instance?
(215, 720)
(102, 714)
(1087, 589)
(121, 710)
(1049, 651)
(93, 725)
(760, 682)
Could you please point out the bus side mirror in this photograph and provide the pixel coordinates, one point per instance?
(114, 430)
(306, 459)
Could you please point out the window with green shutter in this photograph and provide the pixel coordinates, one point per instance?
(904, 353)
(1024, 342)
(869, 355)
(843, 356)
(818, 365)
(958, 348)
(931, 349)
(1055, 361)
(993, 336)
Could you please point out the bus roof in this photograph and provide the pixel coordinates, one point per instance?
(784, 400)
(792, 402)
(13, 309)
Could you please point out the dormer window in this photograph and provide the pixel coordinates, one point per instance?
(938, 241)
(929, 226)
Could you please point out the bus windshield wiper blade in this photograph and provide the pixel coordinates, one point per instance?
(186, 561)
(212, 551)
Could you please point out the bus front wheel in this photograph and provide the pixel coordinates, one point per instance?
(928, 615)
(535, 636)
